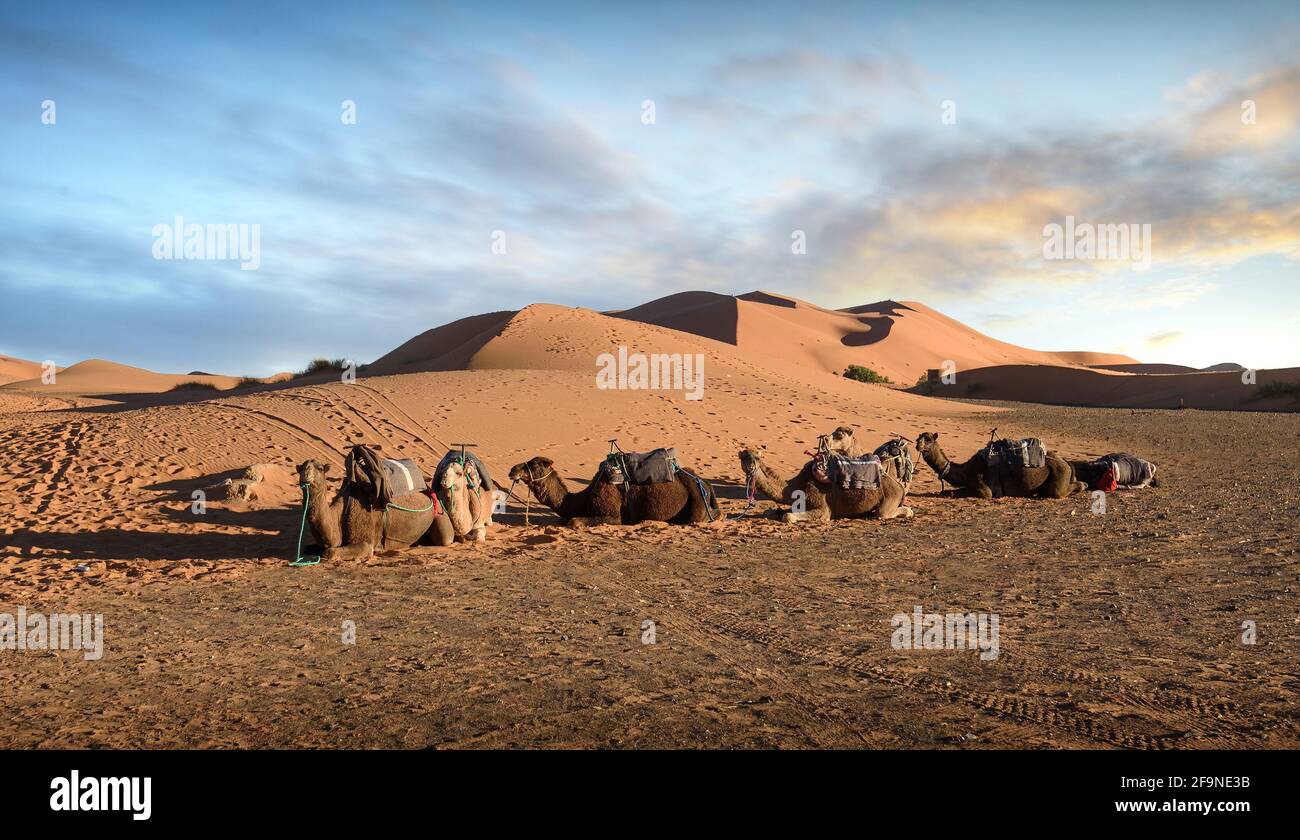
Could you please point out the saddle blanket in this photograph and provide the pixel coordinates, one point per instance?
(403, 475)
(855, 473)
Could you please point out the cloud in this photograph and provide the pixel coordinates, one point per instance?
(1164, 339)
(965, 217)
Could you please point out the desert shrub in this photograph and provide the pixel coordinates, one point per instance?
(864, 374)
(317, 365)
(194, 386)
(923, 385)
(1278, 389)
(248, 382)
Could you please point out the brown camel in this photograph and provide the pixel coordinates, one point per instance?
(976, 477)
(601, 503)
(469, 505)
(348, 527)
(824, 501)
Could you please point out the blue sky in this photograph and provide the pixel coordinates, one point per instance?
(527, 119)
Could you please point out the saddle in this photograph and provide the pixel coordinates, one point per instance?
(1026, 452)
(384, 479)
(895, 448)
(654, 467)
(1127, 470)
(855, 473)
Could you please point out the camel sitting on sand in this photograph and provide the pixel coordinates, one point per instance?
(353, 527)
(678, 502)
(826, 500)
(977, 477)
(468, 505)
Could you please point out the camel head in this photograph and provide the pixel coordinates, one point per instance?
(533, 470)
(453, 477)
(841, 440)
(927, 442)
(312, 473)
(750, 461)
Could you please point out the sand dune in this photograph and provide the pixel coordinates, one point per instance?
(448, 347)
(900, 340)
(15, 370)
(1218, 390)
(97, 376)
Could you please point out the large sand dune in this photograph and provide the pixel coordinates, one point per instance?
(900, 340)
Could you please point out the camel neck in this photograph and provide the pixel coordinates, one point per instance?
(937, 460)
(550, 490)
(771, 487)
(317, 493)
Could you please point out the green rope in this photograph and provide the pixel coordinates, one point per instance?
(413, 510)
(299, 560)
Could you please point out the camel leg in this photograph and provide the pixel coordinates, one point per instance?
(591, 521)
(891, 506)
(356, 551)
(817, 514)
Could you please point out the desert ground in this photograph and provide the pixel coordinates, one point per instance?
(1121, 629)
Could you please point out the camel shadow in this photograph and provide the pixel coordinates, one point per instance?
(125, 544)
(729, 489)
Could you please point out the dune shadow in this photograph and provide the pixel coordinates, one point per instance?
(186, 396)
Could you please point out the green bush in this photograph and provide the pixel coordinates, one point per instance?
(864, 374)
(194, 386)
(317, 365)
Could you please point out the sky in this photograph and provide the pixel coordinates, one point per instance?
(605, 154)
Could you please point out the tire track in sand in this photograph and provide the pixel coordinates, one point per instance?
(1048, 715)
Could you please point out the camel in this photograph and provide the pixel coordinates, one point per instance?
(825, 501)
(975, 477)
(678, 502)
(348, 527)
(469, 509)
